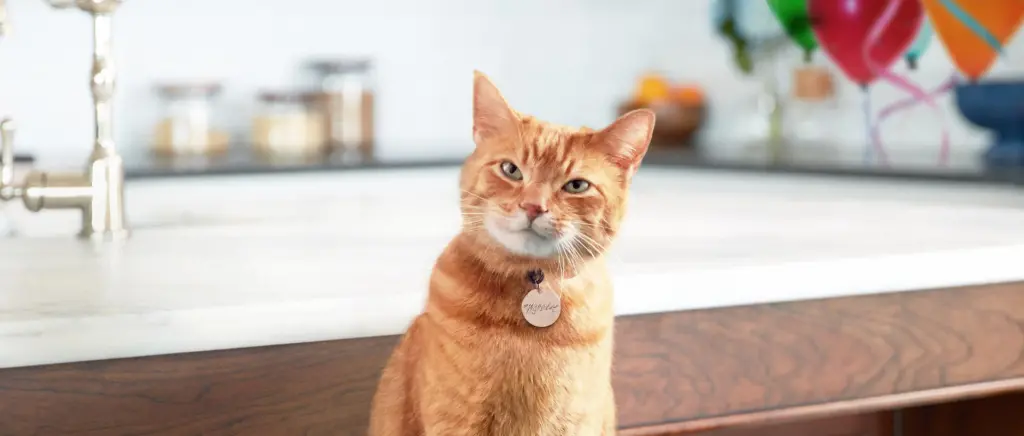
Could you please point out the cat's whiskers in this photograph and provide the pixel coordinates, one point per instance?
(486, 206)
(560, 255)
(573, 259)
(473, 215)
(465, 191)
(593, 247)
(577, 256)
(486, 201)
(472, 222)
(590, 249)
(601, 248)
(602, 225)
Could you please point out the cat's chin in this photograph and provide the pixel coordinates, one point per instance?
(525, 242)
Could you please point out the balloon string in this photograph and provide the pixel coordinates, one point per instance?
(973, 24)
(872, 145)
(916, 99)
(872, 38)
(918, 93)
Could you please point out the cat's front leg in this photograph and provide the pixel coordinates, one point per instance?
(610, 420)
(390, 414)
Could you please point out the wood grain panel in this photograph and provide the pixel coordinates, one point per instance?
(682, 371)
(307, 389)
(754, 364)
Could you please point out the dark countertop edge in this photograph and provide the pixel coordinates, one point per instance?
(1012, 178)
(256, 170)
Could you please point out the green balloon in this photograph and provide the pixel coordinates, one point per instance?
(793, 16)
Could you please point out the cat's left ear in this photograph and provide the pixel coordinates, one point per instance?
(492, 116)
(626, 140)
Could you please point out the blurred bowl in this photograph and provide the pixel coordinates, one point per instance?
(677, 123)
(998, 106)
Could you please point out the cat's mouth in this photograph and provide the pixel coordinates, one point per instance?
(536, 239)
(532, 232)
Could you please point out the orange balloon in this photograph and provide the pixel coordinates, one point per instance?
(972, 55)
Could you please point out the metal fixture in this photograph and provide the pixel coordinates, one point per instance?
(4, 30)
(98, 191)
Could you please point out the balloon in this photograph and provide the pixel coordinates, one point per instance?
(843, 26)
(748, 25)
(754, 19)
(793, 16)
(921, 43)
(974, 31)
(723, 18)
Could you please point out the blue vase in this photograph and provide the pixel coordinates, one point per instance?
(996, 105)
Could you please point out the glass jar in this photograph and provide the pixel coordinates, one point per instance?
(186, 126)
(288, 125)
(813, 111)
(346, 100)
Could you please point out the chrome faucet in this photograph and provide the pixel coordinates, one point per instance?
(3, 18)
(98, 191)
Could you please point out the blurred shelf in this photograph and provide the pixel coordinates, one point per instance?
(960, 168)
(963, 168)
(143, 166)
(24, 158)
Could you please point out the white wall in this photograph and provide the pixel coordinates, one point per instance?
(570, 61)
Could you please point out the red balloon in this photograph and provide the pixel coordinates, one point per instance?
(843, 27)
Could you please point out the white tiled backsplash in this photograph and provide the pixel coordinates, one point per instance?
(569, 61)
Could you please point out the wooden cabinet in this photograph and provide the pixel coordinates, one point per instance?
(1001, 415)
(824, 363)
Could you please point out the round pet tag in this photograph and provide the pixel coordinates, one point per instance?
(541, 308)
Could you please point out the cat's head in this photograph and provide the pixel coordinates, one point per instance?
(544, 191)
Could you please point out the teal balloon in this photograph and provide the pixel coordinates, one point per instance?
(920, 44)
(754, 20)
(747, 25)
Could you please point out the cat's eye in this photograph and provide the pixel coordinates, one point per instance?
(576, 186)
(511, 171)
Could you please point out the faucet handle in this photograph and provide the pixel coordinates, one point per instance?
(5, 27)
(91, 6)
(8, 190)
(60, 4)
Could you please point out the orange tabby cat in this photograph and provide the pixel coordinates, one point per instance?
(534, 196)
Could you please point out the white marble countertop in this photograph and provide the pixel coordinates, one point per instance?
(345, 259)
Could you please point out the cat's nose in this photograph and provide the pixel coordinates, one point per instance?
(532, 210)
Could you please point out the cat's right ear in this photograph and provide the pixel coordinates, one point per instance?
(492, 116)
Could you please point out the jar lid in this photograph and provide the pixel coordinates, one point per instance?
(344, 65)
(287, 96)
(207, 89)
